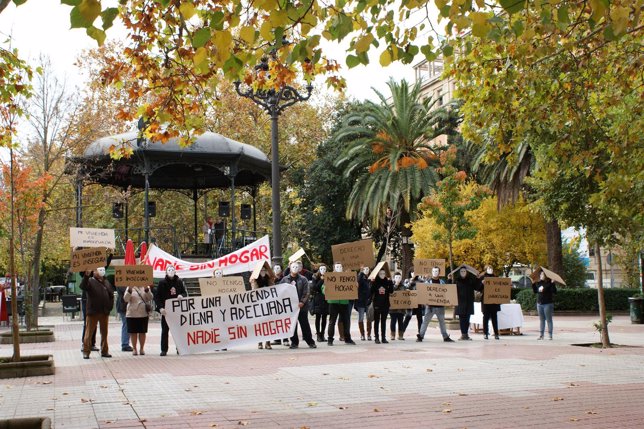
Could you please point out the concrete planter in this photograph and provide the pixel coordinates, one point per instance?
(26, 423)
(29, 366)
(36, 336)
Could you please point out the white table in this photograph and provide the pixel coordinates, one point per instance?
(510, 317)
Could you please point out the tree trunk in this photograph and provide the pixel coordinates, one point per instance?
(12, 269)
(407, 251)
(34, 282)
(553, 241)
(600, 298)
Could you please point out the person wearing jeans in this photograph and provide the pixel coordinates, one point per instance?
(545, 290)
(121, 306)
(432, 310)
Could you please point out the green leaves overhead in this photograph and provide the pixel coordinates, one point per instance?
(513, 6)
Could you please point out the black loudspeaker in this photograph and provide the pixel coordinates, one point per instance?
(224, 208)
(152, 209)
(117, 210)
(245, 211)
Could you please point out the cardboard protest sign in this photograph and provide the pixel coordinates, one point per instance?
(88, 259)
(92, 237)
(222, 285)
(550, 274)
(437, 294)
(424, 267)
(497, 290)
(133, 275)
(403, 299)
(340, 285)
(296, 256)
(381, 266)
(354, 255)
(262, 265)
(208, 323)
(468, 268)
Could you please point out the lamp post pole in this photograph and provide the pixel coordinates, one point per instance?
(274, 102)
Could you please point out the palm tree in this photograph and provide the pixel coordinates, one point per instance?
(388, 146)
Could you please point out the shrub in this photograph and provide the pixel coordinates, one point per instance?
(579, 299)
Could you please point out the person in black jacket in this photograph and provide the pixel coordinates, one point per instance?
(381, 288)
(545, 290)
(100, 301)
(301, 284)
(466, 284)
(319, 305)
(170, 287)
(364, 290)
(489, 310)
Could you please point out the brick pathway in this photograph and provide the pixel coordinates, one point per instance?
(516, 382)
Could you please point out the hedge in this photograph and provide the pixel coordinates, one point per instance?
(579, 299)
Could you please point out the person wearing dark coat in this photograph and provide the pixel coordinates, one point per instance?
(381, 289)
(263, 280)
(100, 301)
(170, 287)
(466, 284)
(320, 307)
(419, 311)
(545, 290)
(489, 310)
(364, 290)
(301, 284)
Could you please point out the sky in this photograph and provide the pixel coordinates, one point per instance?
(42, 27)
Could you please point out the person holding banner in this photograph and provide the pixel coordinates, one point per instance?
(364, 289)
(302, 285)
(263, 280)
(139, 305)
(381, 289)
(100, 301)
(432, 310)
(397, 315)
(489, 310)
(339, 311)
(466, 284)
(170, 287)
(320, 306)
(545, 290)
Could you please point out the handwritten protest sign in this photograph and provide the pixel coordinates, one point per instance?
(437, 294)
(340, 286)
(403, 299)
(381, 266)
(354, 255)
(133, 275)
(219, 286)
(424, 267)
(204, 324)
(87, 259)
(296, 256)
(497, 290)
(92, 237)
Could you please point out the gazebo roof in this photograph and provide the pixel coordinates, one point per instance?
(208, 163)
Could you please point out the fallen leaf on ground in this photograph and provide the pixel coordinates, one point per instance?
(447, 410)
(446, 404)
(430, 370)
(342, 408)
(574, 419)
(196, 413)
(325, 373)
(343, 378)
(188, 390)
(311, 404)
(242, 423)
(573, 385)
(373, 376)
(376, 410)
(557, 398)
(213, 425)
(462, 394)
(591, 412)
(85, 400)
(107, 422)
(43, 382)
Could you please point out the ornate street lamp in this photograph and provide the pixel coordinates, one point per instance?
(274, 102)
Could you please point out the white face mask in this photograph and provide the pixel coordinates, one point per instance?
(277, 269)
(412, 274)
(101, 271)
(435, 272)
(337, 268)
(295, 268)
(366, 271)
(489, 270)
(219, 274)
(322, 269)
(463, 272)
(397, 278)
(170, 271)
(381, 274)
(542, 276)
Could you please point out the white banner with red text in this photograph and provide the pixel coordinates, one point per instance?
(208, 323)
(238, 261)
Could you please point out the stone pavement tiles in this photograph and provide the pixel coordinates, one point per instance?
(516, 382)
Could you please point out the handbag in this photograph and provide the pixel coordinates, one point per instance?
(148, 305)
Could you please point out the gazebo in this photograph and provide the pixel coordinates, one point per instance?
(211, 162)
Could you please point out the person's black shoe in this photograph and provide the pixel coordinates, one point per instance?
(329, 342)
(419, 339)
(85, 355)
(350, 342)
(496, 337)
(163, 353)
(277, 343)
(312, 346)
(448, 340)
(127, 349)
(384, 341)
(106, 355)
(293, 346)
(94, 348)
(487, 337)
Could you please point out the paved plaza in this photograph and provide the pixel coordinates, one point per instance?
(515, 382)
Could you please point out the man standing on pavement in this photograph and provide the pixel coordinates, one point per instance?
(100, 301)
(170, 287)
(438, 310)
(302, 285)
(339, 310)
(121, 307)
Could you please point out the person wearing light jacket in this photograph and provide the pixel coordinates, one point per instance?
(137, 315)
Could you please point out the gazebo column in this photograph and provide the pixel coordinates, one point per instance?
(233, 220)
(254, 195)
(79, 203)
(127, 215)
(195, 197)
(146, 213)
